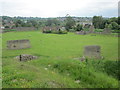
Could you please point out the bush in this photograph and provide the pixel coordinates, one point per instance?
(115, 31)
(89, 75)
(7, 27)
(98, 30)
(9, 30)
(79, 27)
(113, 68)
(109, 67)
(56, 32)
(72, 30)
(114, 25)
(48, 31)
(60, 32)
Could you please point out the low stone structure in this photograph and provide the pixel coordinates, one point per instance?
(18, 44)
(62, 28)
(91, 29)
(25, 57)
(106, 31)
(51, 28)
(81, 32)
(15, 29)
(25, 28)
(92, 52)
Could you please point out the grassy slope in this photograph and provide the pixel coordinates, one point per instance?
(59, 52)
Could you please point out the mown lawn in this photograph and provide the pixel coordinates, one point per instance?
(56, 66)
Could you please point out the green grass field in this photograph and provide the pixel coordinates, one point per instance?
(56, 66)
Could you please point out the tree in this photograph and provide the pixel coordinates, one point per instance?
(53, 21)
(98, 22)
(19, 23)
(115, 26)
(110, 26)
(7, 27)
(114, 19)
(33, 22)
(79, 27)
(106, 25)
(70, 22)
(119, 20)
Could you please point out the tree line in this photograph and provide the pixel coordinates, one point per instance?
(111, 23)
(70, 23)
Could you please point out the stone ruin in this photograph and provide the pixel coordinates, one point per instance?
(24, 28)
(25, 57)
(51, 28)
(92, 52)
(81, 32)
(62, 28)
(106, 31)
(91, 29)
(18, 44)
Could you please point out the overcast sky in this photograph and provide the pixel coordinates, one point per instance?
(59, 8)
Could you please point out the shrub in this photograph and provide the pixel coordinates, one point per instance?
(113, 68)
(115, 31)
(72, 30)
(9, 30)
(98, 30)
(87, 74)
(60, 32)
(48, 31)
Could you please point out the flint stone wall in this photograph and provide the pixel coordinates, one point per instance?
(25, 57)
(91, 29)
(92, 52)
(24, 28)
(106, 31)
(18, 44)
(48, 28)
(81, 32)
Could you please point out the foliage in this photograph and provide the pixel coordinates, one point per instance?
(70, 22)
(56, 32)
(7, 27)
(115, 26)
(52, 22)
(79, 27)
(110, 26)
(116, 31)
(19, 23)
(72, 30)
(119, 20)
(98, 30)
(8, 30)
(98, 22)
(47, 31)
(60, 32)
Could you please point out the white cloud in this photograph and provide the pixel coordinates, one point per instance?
(54, 8)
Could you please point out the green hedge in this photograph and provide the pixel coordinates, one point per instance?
(8, 30)
(48, 31)
(55, 32)
(115, 31)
